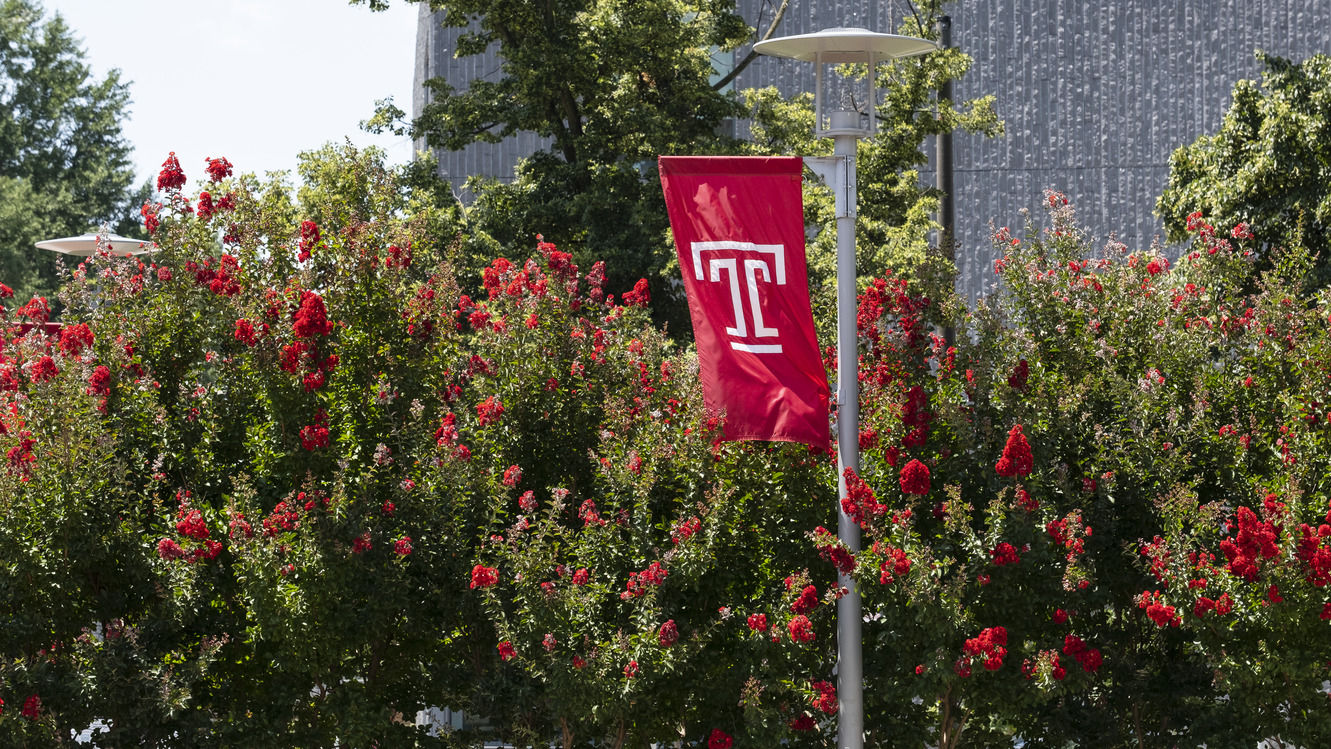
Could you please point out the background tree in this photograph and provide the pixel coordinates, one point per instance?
(616, 84)
(1269, 164)
(64, 164)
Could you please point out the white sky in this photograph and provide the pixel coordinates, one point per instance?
(256, 81)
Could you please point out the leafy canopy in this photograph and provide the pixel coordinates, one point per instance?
(1267, 165)
(614, 84)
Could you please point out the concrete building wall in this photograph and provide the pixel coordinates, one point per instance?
(1094, 95)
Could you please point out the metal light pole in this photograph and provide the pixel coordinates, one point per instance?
(846, 126)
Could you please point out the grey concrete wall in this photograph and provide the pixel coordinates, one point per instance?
(435, 46)
(1095, 96)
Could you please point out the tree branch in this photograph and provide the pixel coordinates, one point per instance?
(771, 29)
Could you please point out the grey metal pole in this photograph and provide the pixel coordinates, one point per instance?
(850, 618)
(947, 204)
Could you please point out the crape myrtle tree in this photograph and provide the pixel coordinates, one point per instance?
(1267, 165)
(64, 164)
(287, 481)
(616, 84)
(1102, 517)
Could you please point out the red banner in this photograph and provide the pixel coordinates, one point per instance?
(739, 230)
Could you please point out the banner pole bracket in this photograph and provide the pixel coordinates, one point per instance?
(836, 172)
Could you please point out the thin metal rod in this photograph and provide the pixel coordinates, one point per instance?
(850, 667)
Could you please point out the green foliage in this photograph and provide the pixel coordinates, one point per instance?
(1155, 401)
(1267, 165)
(64, 165)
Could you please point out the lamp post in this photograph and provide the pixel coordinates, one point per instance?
(846, 125)
(87, 245)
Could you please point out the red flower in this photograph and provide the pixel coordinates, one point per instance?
(801, 629)
(826, 699)
(309, 240)
(512, 475)
(45, 369)
(245, 332)
(171, 177)
(489, 410)
(1060, 616)
(758, 622)
(685, 529)
(719, 740)
(361, 543)
(169, 550)
(896, 565)
(807, 600)
(36, 310)
(1017, 380)
(74, 338)
(668, 634)
(915, 478)
(506, 650)
(1016, 459)
(402, 546)
(631, 670)
(1005, 554)
(206, 209)
(99, 382)
(315, 436)
(1254, 541)
(483, 577)
(991, 645)
(191, 524)
(639, 296)
(581, 576)
(311, 318)
(218, 169)
(32, 707)
(1161, 614)
(802, 723)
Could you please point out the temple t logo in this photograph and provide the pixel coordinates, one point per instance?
(742, 266)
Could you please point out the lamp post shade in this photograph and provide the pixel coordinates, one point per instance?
(841, 46)
(844, 45)
(85, 245)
